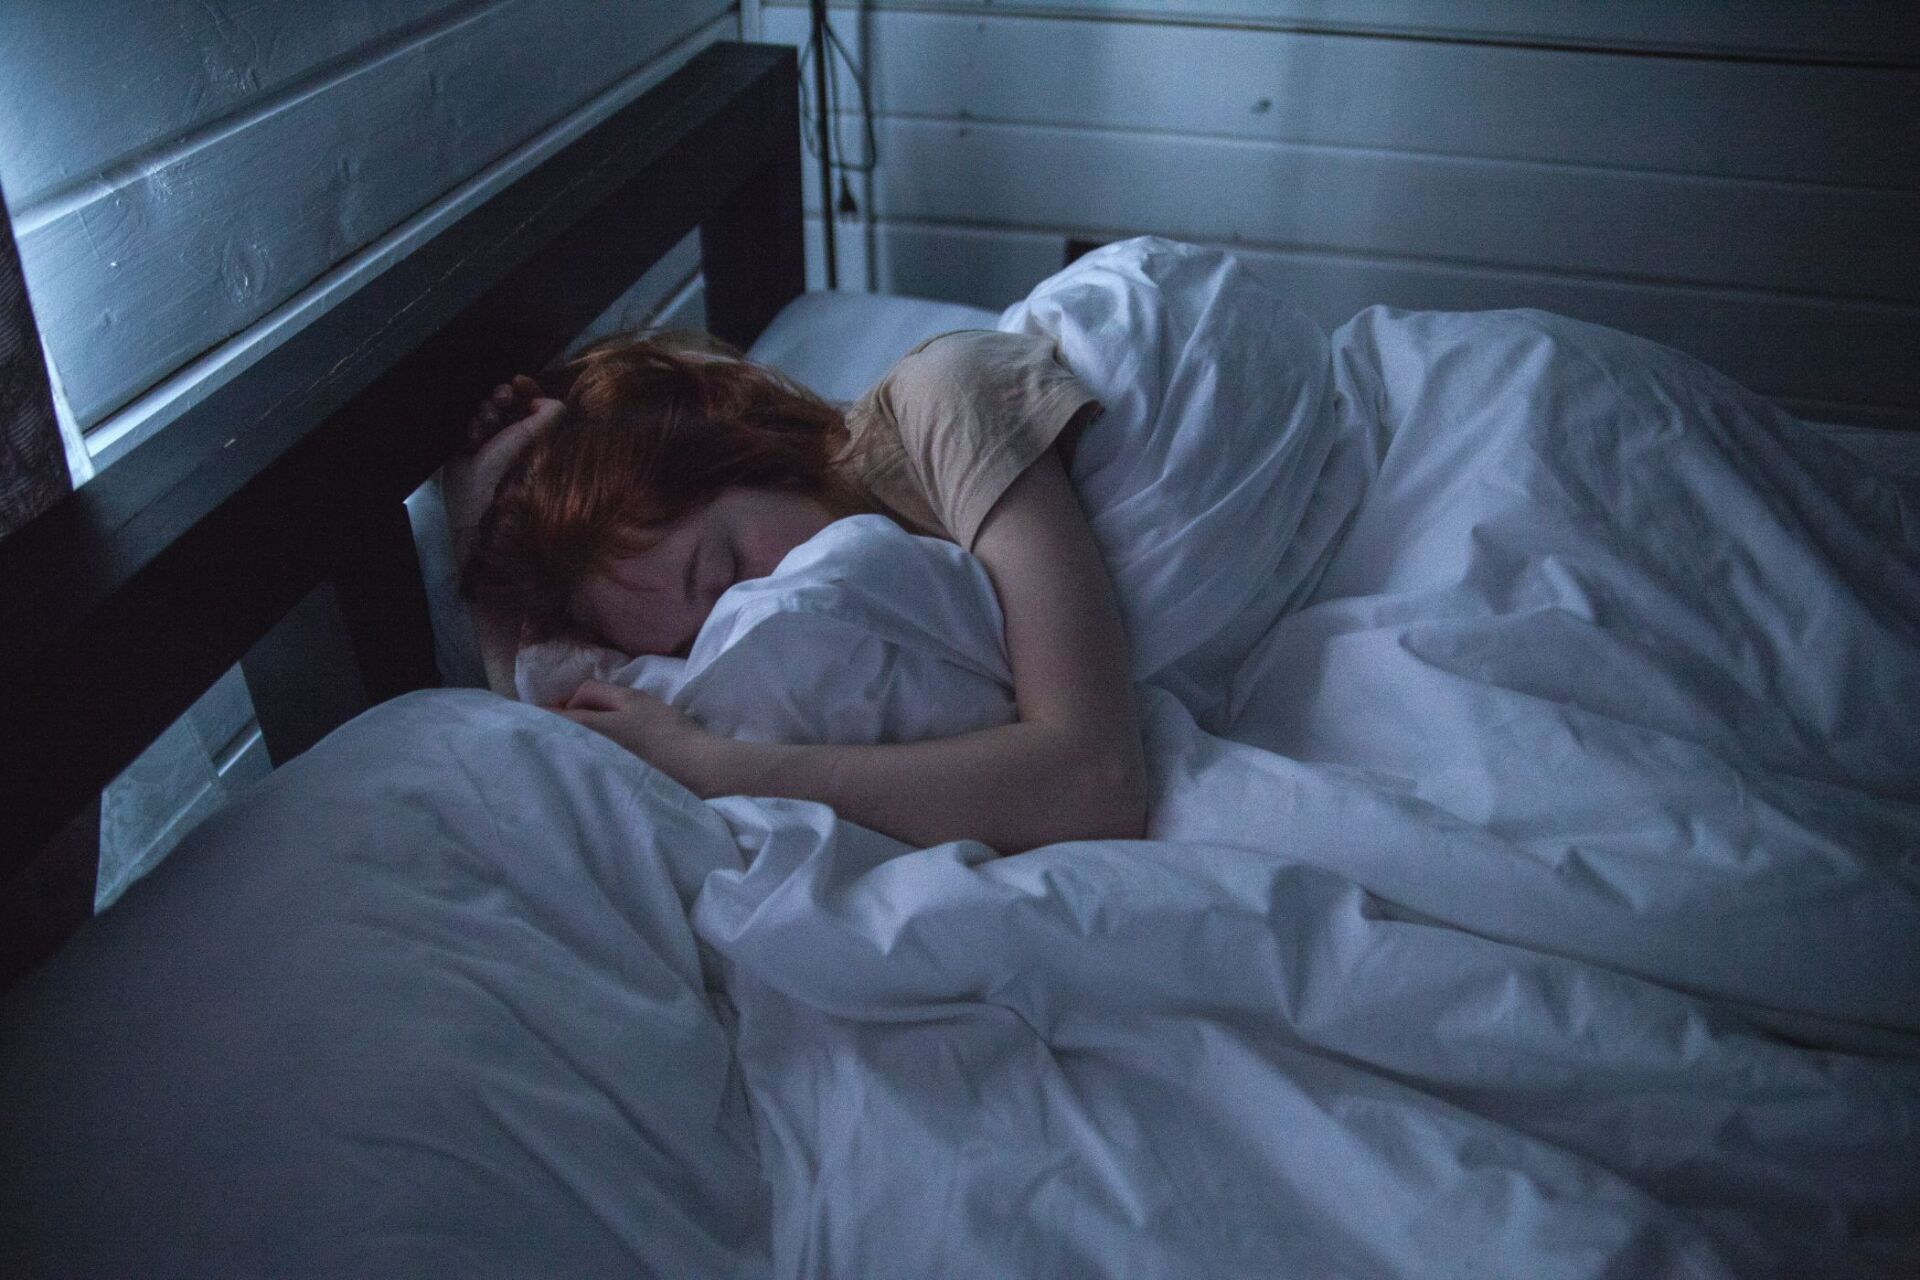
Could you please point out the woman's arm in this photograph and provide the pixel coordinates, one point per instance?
(1070, 768)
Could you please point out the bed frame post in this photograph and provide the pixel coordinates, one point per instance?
(384, 603)
(753, 250)
(357, 639)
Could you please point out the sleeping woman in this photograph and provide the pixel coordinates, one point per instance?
(674, 468)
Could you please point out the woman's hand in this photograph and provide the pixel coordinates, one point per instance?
(497, 433)
(652, 730)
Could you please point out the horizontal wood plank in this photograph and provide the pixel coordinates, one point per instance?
(1875, 32)
(145, 270)
(1785, 238)
(111, 438)
(1836, 125)
(85, 89)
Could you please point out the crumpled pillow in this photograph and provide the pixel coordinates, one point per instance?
(865, 633)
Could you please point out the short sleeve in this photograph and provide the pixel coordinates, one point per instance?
(973, 410)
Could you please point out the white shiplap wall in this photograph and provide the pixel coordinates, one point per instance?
(1742, 182)
(190, 183)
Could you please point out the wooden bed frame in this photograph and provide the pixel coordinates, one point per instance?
(267, 525)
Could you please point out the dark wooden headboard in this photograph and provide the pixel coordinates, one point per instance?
(267, 523)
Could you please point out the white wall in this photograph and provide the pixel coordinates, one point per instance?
(1742, 181)
(189, 181)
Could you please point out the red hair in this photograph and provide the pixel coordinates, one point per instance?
(655, 427)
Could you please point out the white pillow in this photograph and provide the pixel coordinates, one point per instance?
(865, 633)
(840, 344)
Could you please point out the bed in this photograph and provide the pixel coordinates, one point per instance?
(1531, 887)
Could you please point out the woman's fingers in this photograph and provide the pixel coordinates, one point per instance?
(656, 732)
(484, 424)
(505, 405)
(598, 695)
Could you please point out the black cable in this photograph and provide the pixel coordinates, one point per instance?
(870, 146)
(820, 40)
(820, 124)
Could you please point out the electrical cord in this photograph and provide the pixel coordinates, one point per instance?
(825, 53)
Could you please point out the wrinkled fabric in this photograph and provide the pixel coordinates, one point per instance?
(864, 633)
(1218, 419)
(1531, 890)
(1545, 905)
(424, 1002)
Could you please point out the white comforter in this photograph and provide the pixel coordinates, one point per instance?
(1546, 904)
(1540, 898)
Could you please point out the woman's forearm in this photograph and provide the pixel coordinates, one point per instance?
(1012, 788)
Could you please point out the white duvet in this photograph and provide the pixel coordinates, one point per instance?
(1533, 889)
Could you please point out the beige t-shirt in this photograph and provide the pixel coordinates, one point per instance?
(951, 426)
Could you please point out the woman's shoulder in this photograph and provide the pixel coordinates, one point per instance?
(963, 347)
(962, 359)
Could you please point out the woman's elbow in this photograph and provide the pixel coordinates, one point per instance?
(1113, 794)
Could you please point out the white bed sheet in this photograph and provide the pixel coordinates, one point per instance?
(1546, 904)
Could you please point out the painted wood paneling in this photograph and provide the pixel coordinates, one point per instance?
(1550, 218)
(1840, 125)
(98, 83)
(139, 273)
(1871, 31)
(310, 65)
(193, 382)
(1754, 209)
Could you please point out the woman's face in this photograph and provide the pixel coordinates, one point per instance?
(654, 600)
